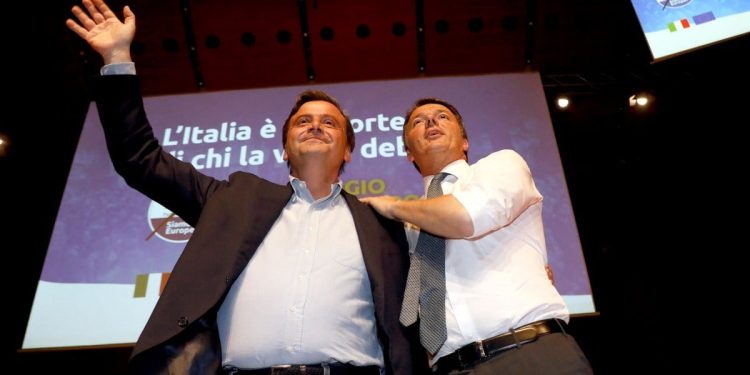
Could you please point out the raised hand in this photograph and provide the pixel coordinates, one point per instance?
(103, 31)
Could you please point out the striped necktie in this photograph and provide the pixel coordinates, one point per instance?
(425, 285)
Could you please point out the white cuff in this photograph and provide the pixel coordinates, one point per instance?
(123, 68)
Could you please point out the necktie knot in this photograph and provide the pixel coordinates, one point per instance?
(434, 190)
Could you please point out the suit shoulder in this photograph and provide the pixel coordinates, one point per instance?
(240, 177)
(385, 222)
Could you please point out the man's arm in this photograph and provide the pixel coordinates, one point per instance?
(443, 216)
(133, 148)
(500, 189)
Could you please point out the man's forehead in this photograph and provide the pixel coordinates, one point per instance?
(318, 107)
(429, 108)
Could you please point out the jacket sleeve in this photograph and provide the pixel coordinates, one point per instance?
(139, 158)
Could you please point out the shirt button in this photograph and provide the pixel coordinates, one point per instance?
(182, 322)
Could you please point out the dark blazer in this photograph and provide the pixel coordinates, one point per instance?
(231, 219)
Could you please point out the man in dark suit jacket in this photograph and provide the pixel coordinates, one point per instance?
(236, 220)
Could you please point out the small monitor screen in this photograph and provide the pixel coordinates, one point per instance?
(673, 27)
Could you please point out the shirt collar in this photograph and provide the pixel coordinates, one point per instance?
(301, 192)
(457, 169)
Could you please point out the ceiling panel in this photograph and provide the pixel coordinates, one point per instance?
(245, 44)
(158, 23)
(363, 40)
(474, 36)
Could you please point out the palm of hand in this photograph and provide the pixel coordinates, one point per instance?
(109, 34)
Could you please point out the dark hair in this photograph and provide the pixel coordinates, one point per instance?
(425, 101)
(312, 96)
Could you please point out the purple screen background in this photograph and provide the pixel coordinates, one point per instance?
(102, 225)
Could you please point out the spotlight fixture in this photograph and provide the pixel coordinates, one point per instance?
(248, 39)
(326, 33)
(363, 31)
(563, 102)
(212, 41)
(283, 36)
(398, 29)
(640, 100)
(442, 26)
(4, 145)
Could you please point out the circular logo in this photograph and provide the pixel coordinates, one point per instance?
(166, 225)
(673, 3)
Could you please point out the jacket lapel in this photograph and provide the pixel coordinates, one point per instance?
(367, 231)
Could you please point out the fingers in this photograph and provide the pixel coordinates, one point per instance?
(129, 15)
(83, 18)
(96, 13)
(76, 28)
(104, 9)
(93, 11)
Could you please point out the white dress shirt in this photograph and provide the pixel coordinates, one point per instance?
(304, 297)
(495, 279)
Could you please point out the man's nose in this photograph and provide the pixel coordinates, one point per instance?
(431, 121)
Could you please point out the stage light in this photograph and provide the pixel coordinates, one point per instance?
(640, 100)
(563, 102)
(3, 145)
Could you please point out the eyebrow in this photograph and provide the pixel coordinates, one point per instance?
(416, 115)
(324, 116)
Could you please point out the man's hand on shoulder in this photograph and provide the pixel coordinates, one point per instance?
(383, 204)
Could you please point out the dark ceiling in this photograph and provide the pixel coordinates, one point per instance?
(190, 45)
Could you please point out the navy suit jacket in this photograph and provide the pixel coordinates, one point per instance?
(231, 218)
